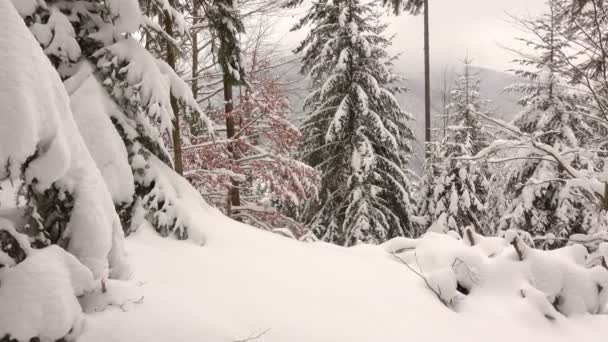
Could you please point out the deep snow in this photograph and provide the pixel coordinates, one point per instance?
(244, 282)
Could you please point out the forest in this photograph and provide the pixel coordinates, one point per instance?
(265, 170)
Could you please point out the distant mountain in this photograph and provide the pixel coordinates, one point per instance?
(492, 84)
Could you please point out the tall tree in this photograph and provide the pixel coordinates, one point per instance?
(355, 134)
(168, 20)
(415, 7)
(226, 25)
(427, 76)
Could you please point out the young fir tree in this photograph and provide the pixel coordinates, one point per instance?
(355, 134)
(458, 197)
(543, 202)
(98, 35)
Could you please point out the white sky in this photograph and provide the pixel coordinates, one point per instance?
(458, 27)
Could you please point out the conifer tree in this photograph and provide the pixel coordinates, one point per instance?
(543, 203)
(84, 37)
(42, 150)
(460, 186)
(355, 134)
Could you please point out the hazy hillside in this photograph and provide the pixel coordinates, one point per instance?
(503, 105)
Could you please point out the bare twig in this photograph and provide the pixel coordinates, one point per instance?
(122, 306)
(460, 263)
(516, 244)
(254, 337)
(437, 291)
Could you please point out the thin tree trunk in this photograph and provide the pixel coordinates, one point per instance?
(427, 78)
(234, 196)
(446, 96)
(195, 53)
(171, 61)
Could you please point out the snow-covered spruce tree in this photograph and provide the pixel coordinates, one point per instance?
(426, 191)
(460, 189)
(544, 204)
(355, 134)
(93, 38)
(42, 148)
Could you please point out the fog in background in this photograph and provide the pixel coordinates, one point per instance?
(479, 29)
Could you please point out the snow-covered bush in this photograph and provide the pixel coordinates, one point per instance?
(38, 296)
(562, 282)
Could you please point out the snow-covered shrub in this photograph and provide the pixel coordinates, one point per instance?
(38, 296)
(559, 283)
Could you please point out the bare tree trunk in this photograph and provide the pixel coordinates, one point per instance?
(171, 61)
(427, 78)
(605, 199)
(195, 51)
(446, 96)
(234, 196)
(195, 64)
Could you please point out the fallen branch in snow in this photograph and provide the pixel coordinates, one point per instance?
(437, 292)
(519, 249)
(469, 236)
(123, 305)
(591, 241)
(254, 337)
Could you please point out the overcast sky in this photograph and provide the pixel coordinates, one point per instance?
(458, 27)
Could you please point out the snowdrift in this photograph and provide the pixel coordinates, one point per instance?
(244, 283)
(558, 283)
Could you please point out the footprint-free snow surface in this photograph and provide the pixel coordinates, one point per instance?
(250, 284)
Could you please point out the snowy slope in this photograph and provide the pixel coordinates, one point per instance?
(245, 282)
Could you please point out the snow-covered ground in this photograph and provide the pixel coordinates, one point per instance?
(245, 282)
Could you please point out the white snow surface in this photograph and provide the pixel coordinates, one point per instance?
(244, 282)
